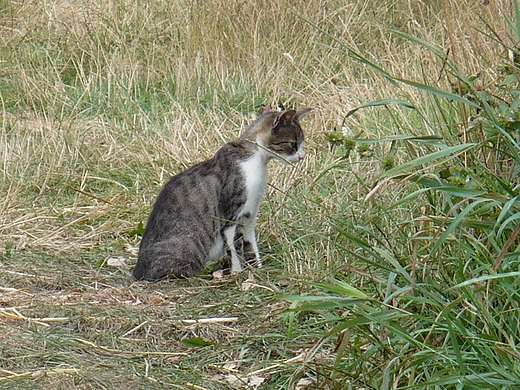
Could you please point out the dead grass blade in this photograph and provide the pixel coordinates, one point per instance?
(133, 353)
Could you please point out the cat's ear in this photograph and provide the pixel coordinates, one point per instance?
(289, 116)
(299, 114)
(284, 118)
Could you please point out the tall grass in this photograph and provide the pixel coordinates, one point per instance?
(405, 212)
(442, 304)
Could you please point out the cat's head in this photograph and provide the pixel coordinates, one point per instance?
(279, 133)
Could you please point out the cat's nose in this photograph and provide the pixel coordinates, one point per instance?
(301, 156)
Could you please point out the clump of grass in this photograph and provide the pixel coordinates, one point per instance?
(437, 302)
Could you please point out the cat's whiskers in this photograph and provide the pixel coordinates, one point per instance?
(272, 152)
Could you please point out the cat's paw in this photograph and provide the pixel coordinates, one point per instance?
(220, 274)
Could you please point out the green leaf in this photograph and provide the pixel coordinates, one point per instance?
(437, 50)
(513, 218)
(418, 162)
(378, 103)
(461, 192)
(408, 198)
(485, 278)
(392, 260)
(356, 240)
(320, 298)
(342, 288)
(198, 342)
(509, 79)
(508, 206)
(400, 137)
(439, 92)
(138, 231)
(455, 223)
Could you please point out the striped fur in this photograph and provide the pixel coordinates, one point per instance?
(214, 204)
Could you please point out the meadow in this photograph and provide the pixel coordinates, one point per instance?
(392, 251)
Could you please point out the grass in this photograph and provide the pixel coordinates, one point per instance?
(392, 250)
(97, 330)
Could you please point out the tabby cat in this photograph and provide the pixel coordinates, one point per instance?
(214, 204)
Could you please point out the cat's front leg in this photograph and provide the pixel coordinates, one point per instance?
(229, 234)
(251, 254)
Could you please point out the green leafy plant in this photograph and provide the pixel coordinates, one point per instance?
(445, 310)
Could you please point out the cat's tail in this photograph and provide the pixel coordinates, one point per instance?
(168, 258)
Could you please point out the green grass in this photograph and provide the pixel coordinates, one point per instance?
(392, 250)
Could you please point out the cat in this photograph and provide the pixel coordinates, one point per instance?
(215, 203)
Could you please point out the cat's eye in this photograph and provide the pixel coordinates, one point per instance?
(285, 145)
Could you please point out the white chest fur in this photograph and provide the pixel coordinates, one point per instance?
(255, 173)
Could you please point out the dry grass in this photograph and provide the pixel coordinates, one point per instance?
(74, 326)
(116, 93)
(101, 102)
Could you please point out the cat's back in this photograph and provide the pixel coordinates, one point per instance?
(213, 189)
(213, 175)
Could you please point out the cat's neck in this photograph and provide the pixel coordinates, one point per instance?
(257, 150)
(256, 138)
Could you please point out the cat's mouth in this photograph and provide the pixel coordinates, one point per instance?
(293, 158)
(297, 158)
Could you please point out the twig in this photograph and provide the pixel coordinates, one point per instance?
(16, 315)
(195, 387)
(375, 189)
(25, 274)
(90, 195)
(211, 320)
(135, 328)
(13, 375)
(298, 358)
(506, 247)
(13, 290)
(112, 350)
